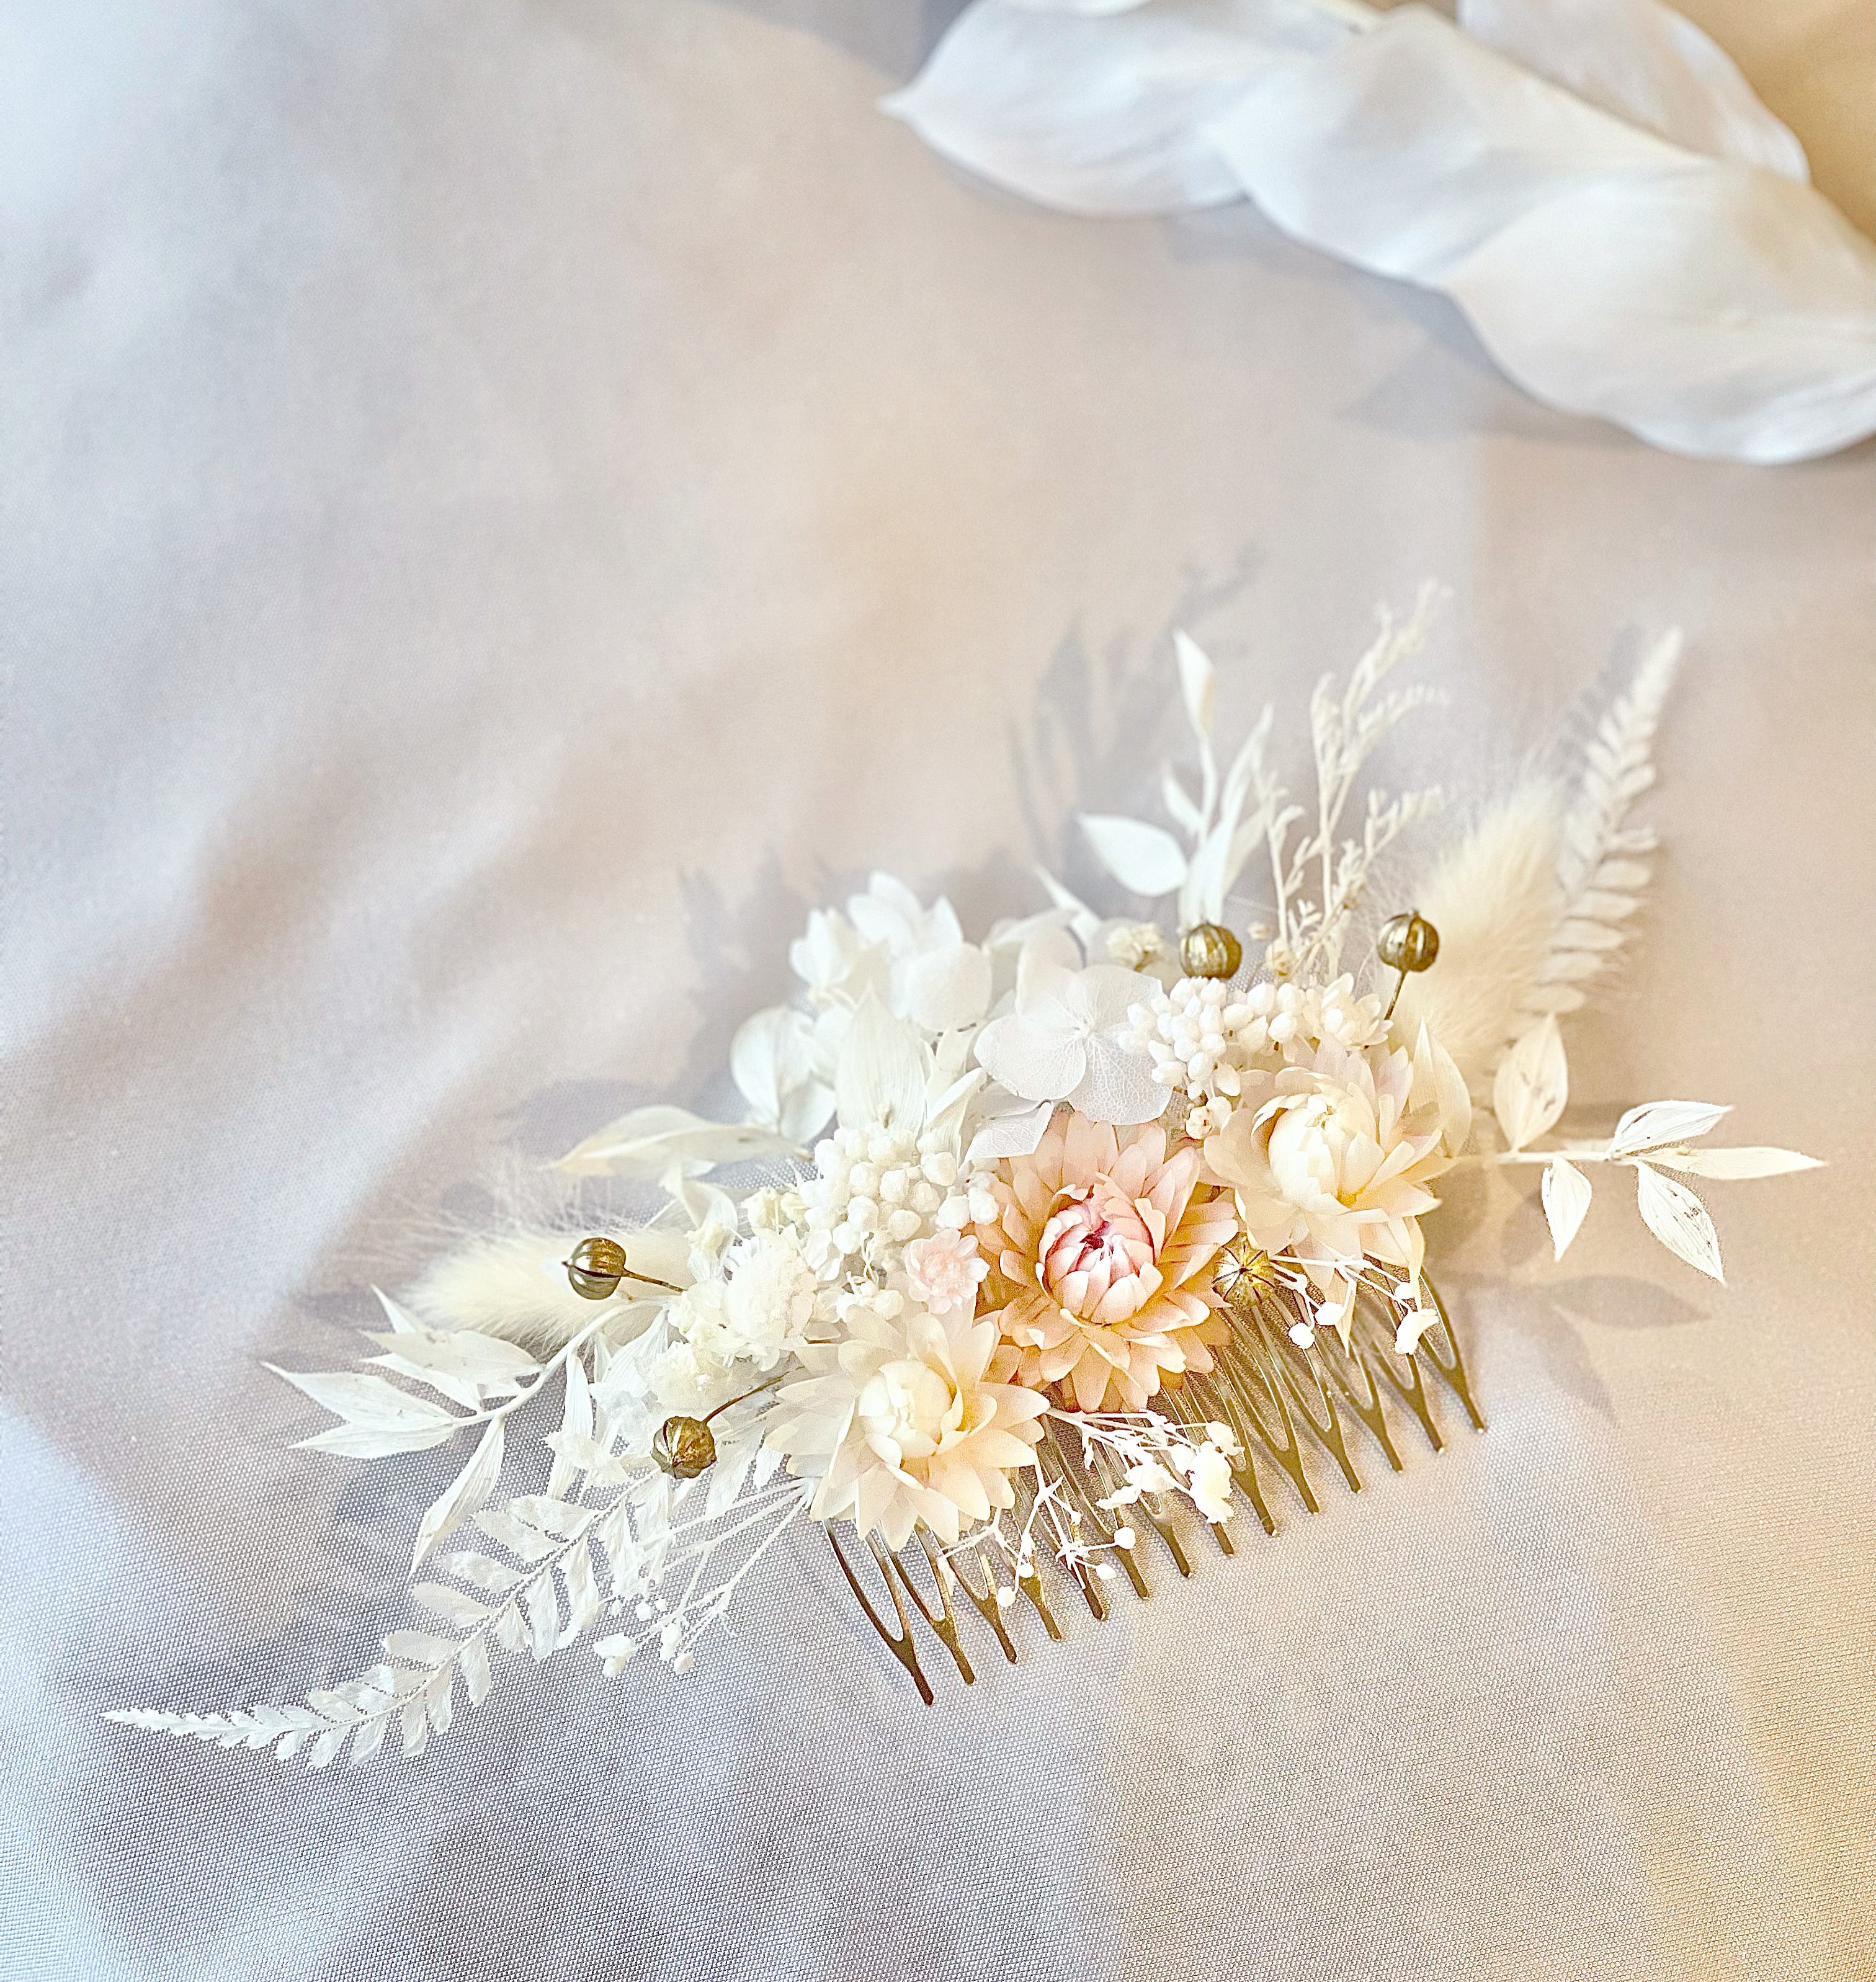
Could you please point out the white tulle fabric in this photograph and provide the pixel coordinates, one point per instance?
(1630, 231)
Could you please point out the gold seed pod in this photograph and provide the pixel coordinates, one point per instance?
(1210, 949)
(1242, 1275)
(684, 1447)
(1408, 943)
(596, 1268)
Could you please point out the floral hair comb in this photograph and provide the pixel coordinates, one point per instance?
(1032, 1248)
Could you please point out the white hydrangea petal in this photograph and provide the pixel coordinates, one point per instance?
(1038, 1062)
(943, 989)
(1016, 1134)
(1100, 997)
(1119, 1086)
(880, 1079)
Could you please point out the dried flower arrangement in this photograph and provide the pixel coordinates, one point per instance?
(1103, 1217)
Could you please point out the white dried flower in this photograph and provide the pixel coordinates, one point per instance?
(1140, 946)
(874, 1191)
(946, 1270)
(911, 1418)
(1203, 1037)
(1210, 1482)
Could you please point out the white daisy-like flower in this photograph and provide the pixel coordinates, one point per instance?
(1330, 1159)
(907, 1419)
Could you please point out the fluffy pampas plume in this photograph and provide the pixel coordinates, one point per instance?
(1535, 903)
(514, 1285)
(1496, 900)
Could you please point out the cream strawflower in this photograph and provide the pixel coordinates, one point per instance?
(1101, 1242)
(1330, 1158)
(907, 1419)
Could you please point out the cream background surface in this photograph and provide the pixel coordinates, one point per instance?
(507, 505)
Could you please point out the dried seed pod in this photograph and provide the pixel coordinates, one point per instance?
(1242, 1276)
(596, 1268)
(1210, 949)
(1408, 943)
(684, 1447)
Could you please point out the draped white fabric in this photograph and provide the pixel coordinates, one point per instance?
(506, 507)
(1640, 244)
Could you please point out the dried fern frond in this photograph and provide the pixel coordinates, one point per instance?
(1601, 870)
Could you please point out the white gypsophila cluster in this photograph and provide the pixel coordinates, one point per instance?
(1141, 946)
(753, 1312)
(1204, 1036)
(874, 1191)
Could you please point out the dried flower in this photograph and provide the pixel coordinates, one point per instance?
(945, 1271)
(910, 1418)
(1063, 1041)
(1330, 1158)
(1203, 1037)
(1210, 1482)
(1101, 1244)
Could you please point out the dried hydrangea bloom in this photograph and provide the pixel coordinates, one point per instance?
(1102, 1243)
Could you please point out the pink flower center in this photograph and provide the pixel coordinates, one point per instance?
(1094, 1238)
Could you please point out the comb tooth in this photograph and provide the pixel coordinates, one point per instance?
(900, 1646)
(1047, 1453)
(1170, 1535)
(1294, 1363)
(1247, 1366)
(1031, 1588)
(943, 1620)
(986, 1604)
(1454, 1372)
(1340, 1364)
(1187, 1405)
(1031, 1584)
(1259, 1383)
(1410, 1389)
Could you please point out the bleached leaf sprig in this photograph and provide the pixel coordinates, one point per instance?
(1529, 1095)
(1249, 810)
(1149, 860)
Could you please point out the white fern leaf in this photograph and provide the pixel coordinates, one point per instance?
(464, 1495)
(379, 1417)
(1600, 880)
